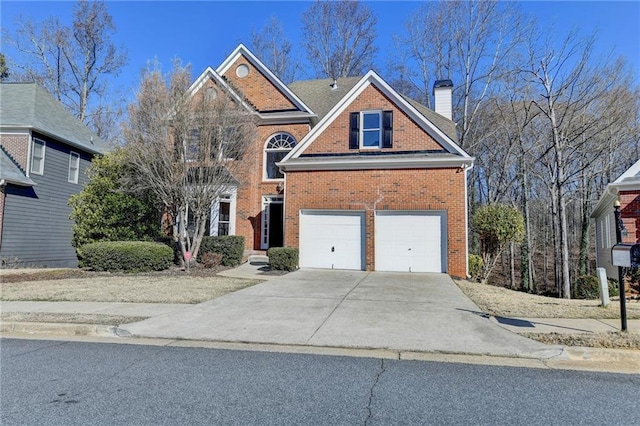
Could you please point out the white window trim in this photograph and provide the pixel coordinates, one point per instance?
(74, 155)
(362, 129)
(265, 151)
(33, 150)
(232, 193)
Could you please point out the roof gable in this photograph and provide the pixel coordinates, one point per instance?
(242, 52)
(631, 173)
(210, 74)
(627, 181)
(373, 79)
(27, 105)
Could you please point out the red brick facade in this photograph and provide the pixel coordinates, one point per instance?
(17, 145)
(630, 212)
(253, 186)
(372, 190)
(407, 135)
(257, 88)
(420, 188)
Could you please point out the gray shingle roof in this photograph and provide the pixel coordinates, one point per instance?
(321, 97)
(442, 123)
(27, 105)
(10, 172)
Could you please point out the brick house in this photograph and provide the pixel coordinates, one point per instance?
(626, 190)
(350, 171)
(44, 154)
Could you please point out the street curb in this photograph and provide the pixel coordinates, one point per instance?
(58, 329)
(626, 361)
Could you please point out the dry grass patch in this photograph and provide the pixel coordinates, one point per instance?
(499, 301)
(152, 288)
(101, 319)
(613, 340)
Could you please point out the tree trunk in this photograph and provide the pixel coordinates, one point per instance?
(512, 265)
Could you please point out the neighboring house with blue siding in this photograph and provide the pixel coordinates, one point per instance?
(44, 154)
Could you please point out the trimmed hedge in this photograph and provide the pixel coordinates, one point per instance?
(231, 247)
(475, 266)
(125, 256)
(283, 258)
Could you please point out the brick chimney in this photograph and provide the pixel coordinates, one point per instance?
(442, 92)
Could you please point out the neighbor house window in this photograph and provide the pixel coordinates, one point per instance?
(37, 157)
(74, 167)
(370, 129)
(278, 146)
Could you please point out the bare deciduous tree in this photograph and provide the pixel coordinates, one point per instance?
(185, 148)
(4, 69)
(73, 63)
(339, 38)
(274, 49)
(578, 98)
(467, 42)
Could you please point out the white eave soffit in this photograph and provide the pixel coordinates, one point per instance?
(242, 50)
(390, 162)
(372, 78)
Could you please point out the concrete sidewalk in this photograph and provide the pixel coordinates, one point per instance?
(516, 325)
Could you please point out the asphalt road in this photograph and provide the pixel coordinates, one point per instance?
(69, 383)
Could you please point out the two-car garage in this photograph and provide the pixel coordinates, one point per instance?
(404, 241)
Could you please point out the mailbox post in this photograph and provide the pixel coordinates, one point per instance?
(623, 300)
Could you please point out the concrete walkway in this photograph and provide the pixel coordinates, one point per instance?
(351, 309)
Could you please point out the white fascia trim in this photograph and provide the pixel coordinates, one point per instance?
(607, 198)
(15, 130)
(242, 50)
(210, 73)
(610, 195)
(372, 78)
(630, 172)
(375, 163)
(275, 118)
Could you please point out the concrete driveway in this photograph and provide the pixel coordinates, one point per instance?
(351, 309)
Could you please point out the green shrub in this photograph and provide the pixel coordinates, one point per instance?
(126, 256)
(475, 266)
(588, 287)
(211, 260)
(283, 258)
(105, 210)
(231, 247)
(613, 288)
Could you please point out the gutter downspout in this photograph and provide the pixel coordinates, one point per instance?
(3, 185)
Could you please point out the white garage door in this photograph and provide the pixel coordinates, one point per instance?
(332, 240)
(410, 241)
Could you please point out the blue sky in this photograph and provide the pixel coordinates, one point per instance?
(204, 32)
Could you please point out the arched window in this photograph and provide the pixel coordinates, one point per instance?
(277, 147)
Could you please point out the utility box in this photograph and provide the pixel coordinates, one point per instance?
(626, 255)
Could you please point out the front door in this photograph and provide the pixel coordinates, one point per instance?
(272, 222)
(275, 224)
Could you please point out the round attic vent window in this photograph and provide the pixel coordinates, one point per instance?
(242, 71)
